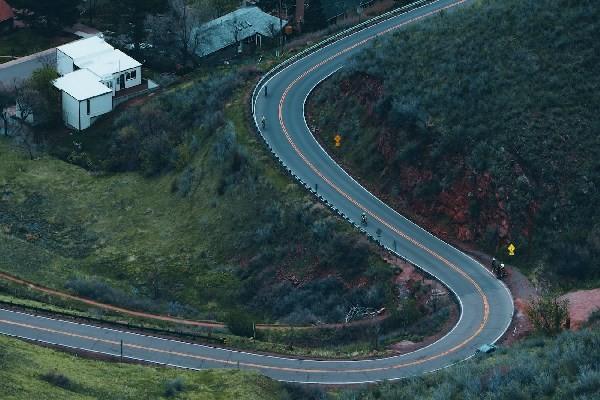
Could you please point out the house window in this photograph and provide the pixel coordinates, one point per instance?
(88, 106)
(131, 75)
(109, 84)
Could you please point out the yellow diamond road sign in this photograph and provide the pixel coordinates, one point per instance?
(511, 249)
(338, 140)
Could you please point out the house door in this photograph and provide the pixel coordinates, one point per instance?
(122, 82)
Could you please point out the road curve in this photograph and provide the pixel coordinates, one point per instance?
(486, 304)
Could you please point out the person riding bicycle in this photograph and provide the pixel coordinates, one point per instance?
(494, 266)
(263, 121)
(363, 218)
(501, 271)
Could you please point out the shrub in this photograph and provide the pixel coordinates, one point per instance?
(548, 313)
(184, 184)
(240, 323)
(157, 136)
(95, 289)
(57, 379)
(174, 386)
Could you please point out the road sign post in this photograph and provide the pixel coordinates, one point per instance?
(338, 140)
(511, 249)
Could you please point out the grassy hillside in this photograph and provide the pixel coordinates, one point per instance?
(483, 124)
(31, 372)
(179, 210)
(565, 367)
(172, 205)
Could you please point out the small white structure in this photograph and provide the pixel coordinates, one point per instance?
(84, 98)
(92, 73)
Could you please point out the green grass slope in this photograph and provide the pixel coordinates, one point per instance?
(179, 210)
(32, 372)
(172, 205)
(483, 123)
(565, 367)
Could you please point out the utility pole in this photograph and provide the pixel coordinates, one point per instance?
(280, 31)
(121, 350)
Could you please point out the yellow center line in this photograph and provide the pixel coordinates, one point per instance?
(336, 364)
(359, 205)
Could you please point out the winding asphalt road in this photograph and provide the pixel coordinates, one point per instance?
(486, 304)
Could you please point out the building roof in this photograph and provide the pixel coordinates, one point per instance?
(107, 63)
(85, 47)
(247, 21)
(6, 11)
(81, 85)
(94, 54)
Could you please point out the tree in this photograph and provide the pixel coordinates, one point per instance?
(178, 29)
(52, 15)
(220, 7)
(548, 313)
(45, 107)
(133, 13)
(6, 100)
(91, 7)
(314, 18)
(25, 97)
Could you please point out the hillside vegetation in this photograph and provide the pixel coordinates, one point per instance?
(483, 124)
(564, 367)
(179, 210)
(30, 372)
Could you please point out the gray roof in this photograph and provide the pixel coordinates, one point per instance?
(221, 32)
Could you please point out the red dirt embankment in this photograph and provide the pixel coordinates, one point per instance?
(582, 304)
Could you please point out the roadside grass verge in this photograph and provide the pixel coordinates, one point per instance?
(28, 371)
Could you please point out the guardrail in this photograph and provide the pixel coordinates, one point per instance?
(331, 39)
(376, 240)
(126, 325)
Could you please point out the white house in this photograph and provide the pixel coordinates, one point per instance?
(68, 54)
(83, 98)
(92, 74)
(116, 69)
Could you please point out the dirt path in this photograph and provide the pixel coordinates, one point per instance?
(166, 318)
(582, 304)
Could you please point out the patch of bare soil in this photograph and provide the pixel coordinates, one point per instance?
(407, 277)
(582, 303)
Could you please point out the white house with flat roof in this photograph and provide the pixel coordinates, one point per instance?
(83, 98)
(92, 75)
(68, 54)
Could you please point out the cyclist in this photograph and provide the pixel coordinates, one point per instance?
(501, 271)
(494, 266)
(263, 121)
